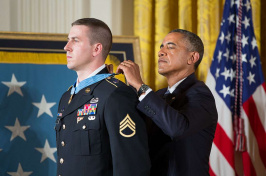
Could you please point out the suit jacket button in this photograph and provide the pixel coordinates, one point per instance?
(64, 126)
(84, 127)
(63, 143)
(61, 160)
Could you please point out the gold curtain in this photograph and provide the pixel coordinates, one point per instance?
(153, 19)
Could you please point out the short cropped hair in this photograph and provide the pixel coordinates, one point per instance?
(194, 42)
(99, 33)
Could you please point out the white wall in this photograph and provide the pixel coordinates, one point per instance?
(4, 15)
(56, 16)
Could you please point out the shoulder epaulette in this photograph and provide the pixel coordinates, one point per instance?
(111, 82)
(69, 87)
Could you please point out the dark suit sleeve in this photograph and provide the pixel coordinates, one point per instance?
(196, 112)
(127, 133)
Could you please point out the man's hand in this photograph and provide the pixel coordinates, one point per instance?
(131, 72)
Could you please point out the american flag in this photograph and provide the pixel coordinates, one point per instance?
(236, 81)
(29, 99)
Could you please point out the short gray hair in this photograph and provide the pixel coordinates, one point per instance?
(194, 41)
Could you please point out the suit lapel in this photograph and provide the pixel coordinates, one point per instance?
(161, 92)
(184, 85)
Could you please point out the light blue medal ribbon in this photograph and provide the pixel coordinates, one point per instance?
(87, 82)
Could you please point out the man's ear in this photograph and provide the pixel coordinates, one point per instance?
(97, 49)
(194, 58)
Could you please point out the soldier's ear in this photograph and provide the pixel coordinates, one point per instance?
(97, 49)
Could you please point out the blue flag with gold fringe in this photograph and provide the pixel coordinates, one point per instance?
(32, 79)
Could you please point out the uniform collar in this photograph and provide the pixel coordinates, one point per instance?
(93, 73)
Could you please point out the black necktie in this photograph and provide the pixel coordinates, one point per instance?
(167, 96)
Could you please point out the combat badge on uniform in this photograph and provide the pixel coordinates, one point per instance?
(127, 127)
(94, 100)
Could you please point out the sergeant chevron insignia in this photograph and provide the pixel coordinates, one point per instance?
(127, 127)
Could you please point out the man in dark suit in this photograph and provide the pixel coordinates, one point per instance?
(98, 129)
(181, 118)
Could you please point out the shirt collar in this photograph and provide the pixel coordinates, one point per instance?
(171, 89)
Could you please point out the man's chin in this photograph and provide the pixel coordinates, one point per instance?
(70, 67)
(163, 72)
(160, 71)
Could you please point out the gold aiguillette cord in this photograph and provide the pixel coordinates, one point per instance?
(70, 98)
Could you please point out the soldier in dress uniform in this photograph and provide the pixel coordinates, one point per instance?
(98, 129)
